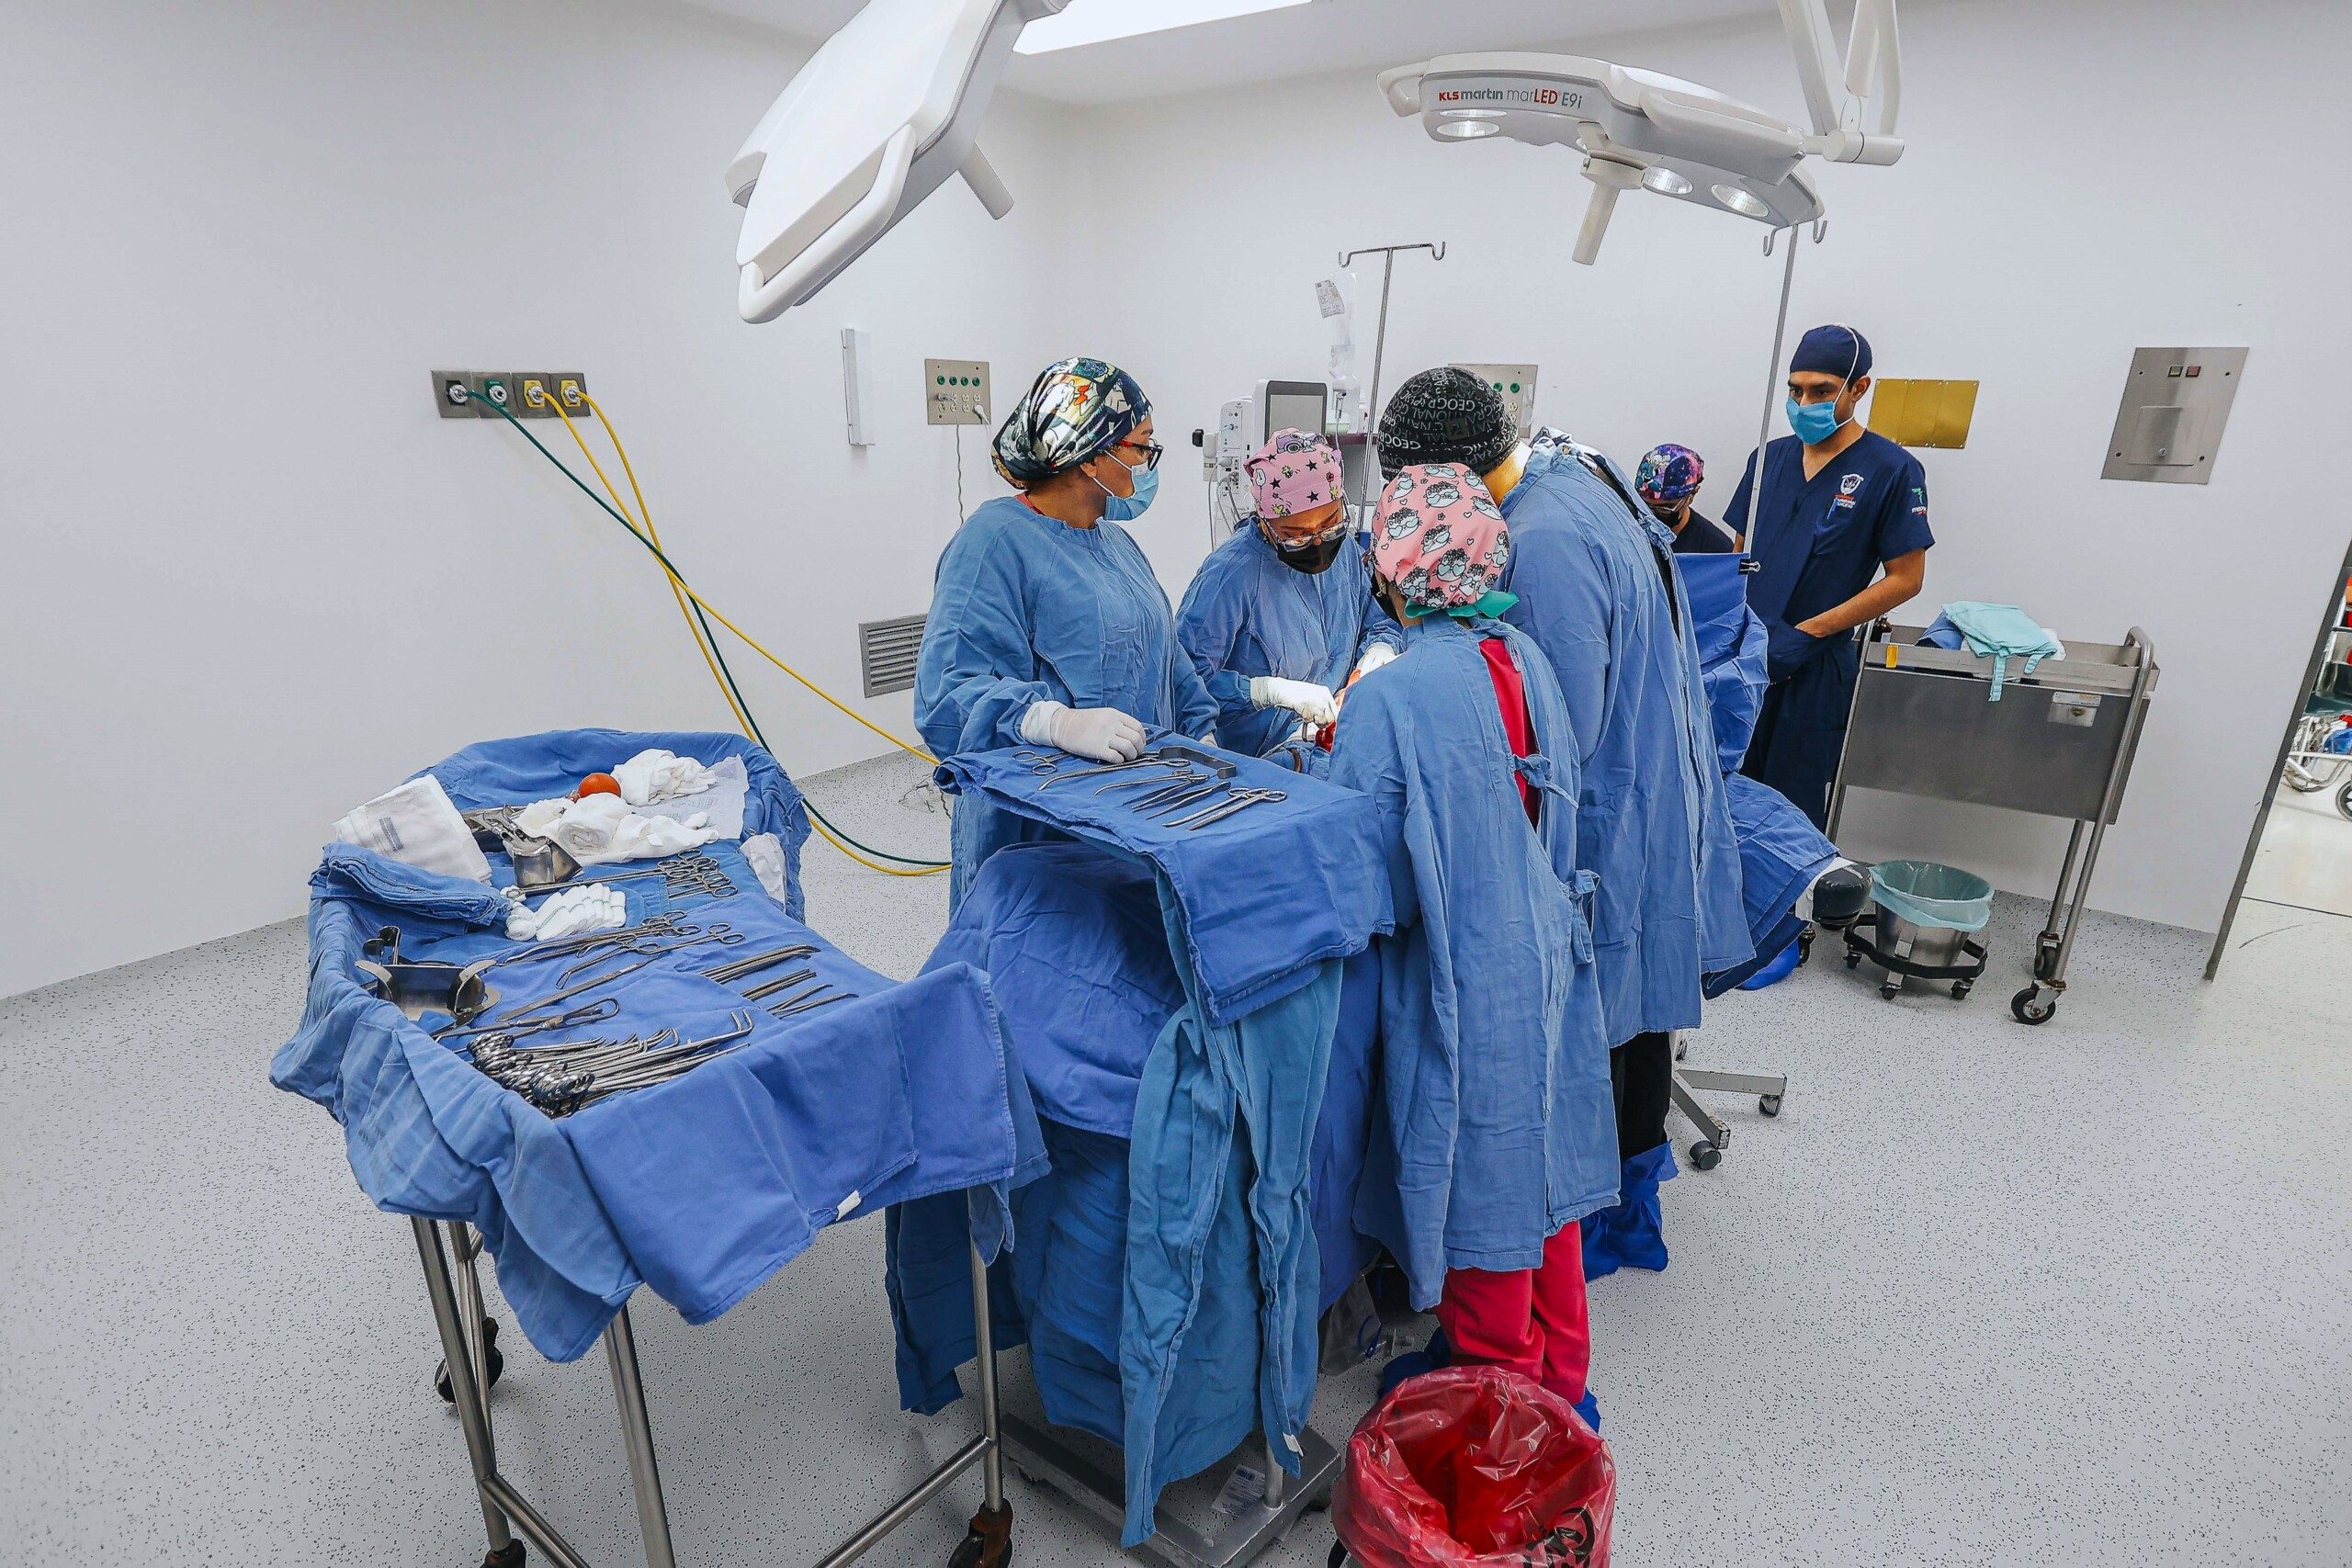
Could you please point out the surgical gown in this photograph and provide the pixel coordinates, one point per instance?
(1820, 542)
(1027, 609)
(1495, 1125)
(1599, 593)
(1247, 613)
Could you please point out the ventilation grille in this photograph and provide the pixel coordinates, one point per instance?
(886, 651)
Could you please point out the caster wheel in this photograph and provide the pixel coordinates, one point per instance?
(496, 1361)
(1853, 961)
(1704, 1155)
(1804, 947)
(507, 1556)
(1890, 990)
(990, 1544)
(2344, 800)
(1682, 1050)
(1960, 989)
(1769, 1104)
(2029, 1008)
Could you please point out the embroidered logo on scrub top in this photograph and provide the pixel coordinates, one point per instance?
(1919, 501)
(1846, 485)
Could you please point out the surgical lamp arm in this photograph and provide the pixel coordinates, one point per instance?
(1873, 60)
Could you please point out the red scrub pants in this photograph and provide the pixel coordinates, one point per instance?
(1529, 1320)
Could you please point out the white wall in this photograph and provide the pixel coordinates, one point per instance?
(2082, 179)
(252, 580)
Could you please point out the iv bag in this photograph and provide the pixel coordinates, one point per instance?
(1335, 297)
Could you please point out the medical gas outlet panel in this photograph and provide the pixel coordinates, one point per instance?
(525, 394)
(956, 391)
(1517, 385)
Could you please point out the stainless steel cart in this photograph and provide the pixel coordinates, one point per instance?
(471, 1365)
(2059, 743)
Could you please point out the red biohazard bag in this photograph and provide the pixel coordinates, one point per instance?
(1476, 1467)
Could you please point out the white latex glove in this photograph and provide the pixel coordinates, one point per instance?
(1375, 657)
(1105, 735)
(1304, 698)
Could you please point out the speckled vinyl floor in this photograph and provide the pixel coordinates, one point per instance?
(2076, 1295)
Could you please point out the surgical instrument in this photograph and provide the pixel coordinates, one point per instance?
(587, 1013)
(1147, 761)
(567, 994)
(811, 1004)
(1236, 803)
(721, 934)
(418, 987)
(726, 974)
(781, 983)
(1164, 801)
(1041, 762)
(1188, 775)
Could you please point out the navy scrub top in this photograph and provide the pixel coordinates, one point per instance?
(1819, 542)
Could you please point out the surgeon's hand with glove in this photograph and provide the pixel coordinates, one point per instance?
(1311, 701)
(1102, 735)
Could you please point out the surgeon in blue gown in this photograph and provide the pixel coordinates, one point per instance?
(1046, 624)
(1598, 590)
(1841, 527)
(1279, 619)
(1494, 1132)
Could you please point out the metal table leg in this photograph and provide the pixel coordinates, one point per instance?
(506, 1513)
(1714, 1133)
(637, 1434)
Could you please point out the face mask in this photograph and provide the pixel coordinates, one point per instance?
(1316, 559)
(1127, 508)
(1814, 422)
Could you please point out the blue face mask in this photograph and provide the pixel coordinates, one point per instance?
(1127, 508)
(1814, 422)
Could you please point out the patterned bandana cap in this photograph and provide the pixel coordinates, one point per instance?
(1446, 416)
(1670, 474)
(1293, 473)
(1437, 536)
(1079, 409)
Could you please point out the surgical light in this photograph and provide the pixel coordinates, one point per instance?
(1642, 129)
(1103, 21)
(1738, 200)
(877, 120)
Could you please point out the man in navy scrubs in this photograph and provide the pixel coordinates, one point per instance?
(1840, 532)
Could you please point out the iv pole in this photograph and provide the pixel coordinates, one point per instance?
(1388, 254)
(1773, 374)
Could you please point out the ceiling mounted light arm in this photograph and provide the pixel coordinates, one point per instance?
(1874, 68)
(880, 115)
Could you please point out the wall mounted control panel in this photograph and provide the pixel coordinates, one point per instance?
(1517, 384)
(956, 391)
(2176, 402)
(525, 394)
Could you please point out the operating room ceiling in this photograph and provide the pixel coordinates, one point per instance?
(1330, 35)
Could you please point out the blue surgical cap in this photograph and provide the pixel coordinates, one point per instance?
(1834, 350)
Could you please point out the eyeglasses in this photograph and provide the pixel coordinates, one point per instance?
(1152, 451)
(1293, 546)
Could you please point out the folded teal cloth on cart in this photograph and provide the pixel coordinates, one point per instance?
(1998, 632)
(703, 1187)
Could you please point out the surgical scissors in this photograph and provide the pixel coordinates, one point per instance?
(1240, 800)
(1147, 761)
(587, 1013)
(1040, 764)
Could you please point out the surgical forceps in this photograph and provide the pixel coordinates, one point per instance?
(720, 932)
(1239, 801)
(1040, 764)
(809, 1003)
(567, 994)
(1185, 793)
(587, 1013)
(726, 974)
(781, 983)
(1187, 775)
(1148, 759)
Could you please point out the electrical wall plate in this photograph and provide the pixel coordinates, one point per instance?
(1517, 384)
(453, 394)
(957, 391)
(2176, 404)
(534, 394)
(493, 390)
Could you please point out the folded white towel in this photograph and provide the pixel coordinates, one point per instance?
(417, 825)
